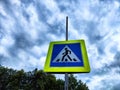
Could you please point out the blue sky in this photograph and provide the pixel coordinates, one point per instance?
(28, 26)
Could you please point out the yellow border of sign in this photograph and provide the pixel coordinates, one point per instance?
(82, 69)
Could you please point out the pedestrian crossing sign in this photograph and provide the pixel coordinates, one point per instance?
(67, 56)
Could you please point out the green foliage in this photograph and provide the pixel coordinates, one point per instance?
(60, 84)
(35, 80)
(76, 85)
(72, 82)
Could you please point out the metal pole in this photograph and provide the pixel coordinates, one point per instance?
(66, 74)
(67, 28)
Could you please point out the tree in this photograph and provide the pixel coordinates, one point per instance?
(11, 79)
(15, 80)
(50, 82)
(76, 85)
(81, 86)
(3, 78)
(72, 82)
(60, 84)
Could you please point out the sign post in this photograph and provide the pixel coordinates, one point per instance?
(66, 74)
(68, 56)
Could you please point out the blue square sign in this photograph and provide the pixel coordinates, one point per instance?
(66, 55)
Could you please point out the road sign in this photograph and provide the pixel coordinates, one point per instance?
(67, 56)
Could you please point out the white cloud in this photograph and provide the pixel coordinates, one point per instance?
(2, 11)
(104, 82)
(15, 2)
(34, 24)
(3, 51)
(51, 5)
(42, 61)
(7, 41)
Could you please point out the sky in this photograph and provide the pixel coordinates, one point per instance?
(28, 26)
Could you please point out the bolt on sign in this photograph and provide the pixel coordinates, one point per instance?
(67, 56)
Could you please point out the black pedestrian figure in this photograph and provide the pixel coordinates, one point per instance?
(66, 54)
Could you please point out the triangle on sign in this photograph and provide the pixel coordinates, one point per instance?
(66, 55)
